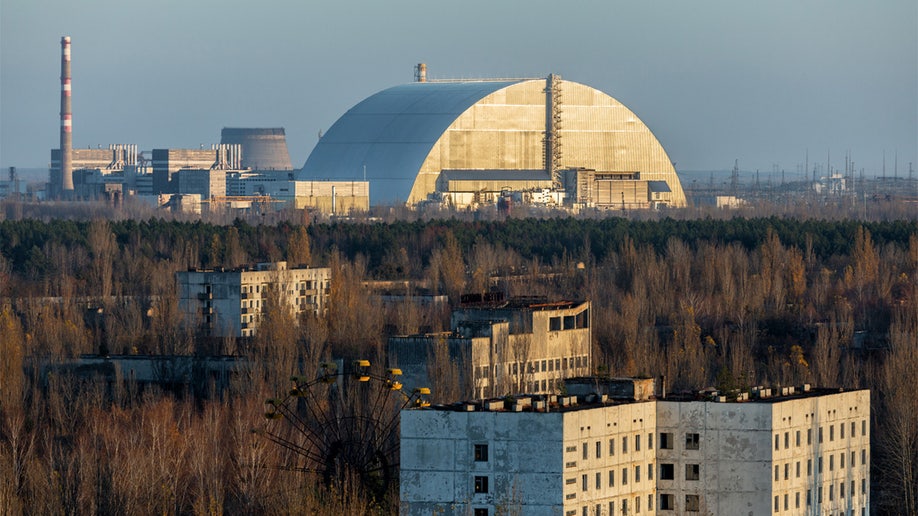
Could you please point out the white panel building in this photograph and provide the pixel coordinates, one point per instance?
(227, 303)
(798, 453)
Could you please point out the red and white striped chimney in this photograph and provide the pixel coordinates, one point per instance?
(66, 119)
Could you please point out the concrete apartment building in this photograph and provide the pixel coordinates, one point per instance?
(503, 347)
(804, 452)
(224, 303)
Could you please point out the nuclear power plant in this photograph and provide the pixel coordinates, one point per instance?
(470, 142)
(454, 144)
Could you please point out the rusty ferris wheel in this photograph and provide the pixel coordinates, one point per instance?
(342, 425)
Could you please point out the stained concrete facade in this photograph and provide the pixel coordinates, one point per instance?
(513, 347)
(231, 303)
(539, 456)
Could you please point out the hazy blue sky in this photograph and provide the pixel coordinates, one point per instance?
(715, 80)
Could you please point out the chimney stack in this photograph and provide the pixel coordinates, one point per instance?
(420, 72)
(66, 120)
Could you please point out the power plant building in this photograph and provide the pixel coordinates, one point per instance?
(414, 141)
(799, 451)
(262, 148)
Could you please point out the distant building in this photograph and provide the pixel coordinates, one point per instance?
(262, 148)
(97, 172)
(167, 162)
(504, 347)
(328, 197)
(801, 452)
(224, 303)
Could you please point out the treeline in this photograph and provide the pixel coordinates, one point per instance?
(725, 303)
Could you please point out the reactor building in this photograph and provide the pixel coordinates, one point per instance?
(469, 142)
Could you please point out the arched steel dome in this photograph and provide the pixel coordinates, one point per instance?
(404, 136)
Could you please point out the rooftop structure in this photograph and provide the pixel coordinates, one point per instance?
(404, 138)
(801, 451)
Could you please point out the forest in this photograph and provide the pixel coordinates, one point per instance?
(729, 303)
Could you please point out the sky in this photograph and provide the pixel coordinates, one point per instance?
(765, 83)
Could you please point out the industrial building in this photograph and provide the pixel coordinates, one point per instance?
(167, 162)
(470, 141)
(794, 451)
(503, 347)
(230, 303)
(263, 148)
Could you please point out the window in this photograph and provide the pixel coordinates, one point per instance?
(611, 478)
(611, 446)
(787, 471)
(692, 441)
(625, 506)
(637, 442)
(624, 476)
(863, 427)
(554, 324)
(797, 439)
(777, 441)
(786, 440)
(853, 459)
(650, 502)
(864, 456)
(809, 467)
(841, 460)
(650, 442)
(667, 472)
(598, 480)
(841, 431)
(481, 512)
(611, 508)
(667, 502)
(798, 469)
(481, 453)
(819, 466)
(831, 433)
(831, 462)
(637, 504)
(598, 449)
(777, 507)
(797, 500)
(820, 435)
(831, 492)
(786, 507)
(776, 472)
(692, 503)
(625, 444)
(809, 436)
(666, 441)
(584, 451)
(637, 473)
(481, 484)
(584, 485)
(650, 472)
(692, 471)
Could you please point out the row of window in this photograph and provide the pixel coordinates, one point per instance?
(809, 434)
(570, 322)
(536, 366)
(809, 498)
(819, 463)
(667, 503)
(692, 442)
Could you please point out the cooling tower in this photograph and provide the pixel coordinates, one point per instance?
(262, 148)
